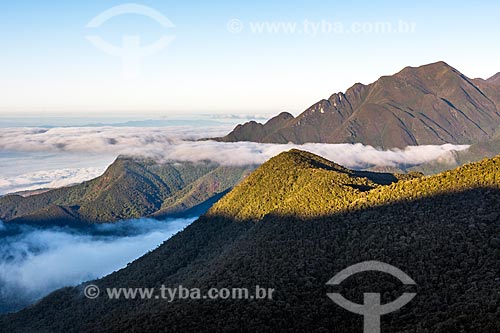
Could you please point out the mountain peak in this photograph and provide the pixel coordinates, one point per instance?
(253, 131)
(495, 79)
(434, 66)
(432, 70)
(129, 188)
(437, 65)
(432, 104)
(304, 185)
(288, 184)
(279, 120)
(297, 158)
(284, 115)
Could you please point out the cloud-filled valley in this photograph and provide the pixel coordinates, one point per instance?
(36, 261)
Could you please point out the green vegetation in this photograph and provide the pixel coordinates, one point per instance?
(442, 230)
(128, 189)
(304, 185)
(301, 184)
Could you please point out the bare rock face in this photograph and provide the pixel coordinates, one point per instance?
(431, 104)
(495, 79)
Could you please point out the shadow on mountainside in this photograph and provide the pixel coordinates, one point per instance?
(448, 243)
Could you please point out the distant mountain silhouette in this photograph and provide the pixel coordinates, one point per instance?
(431, 104)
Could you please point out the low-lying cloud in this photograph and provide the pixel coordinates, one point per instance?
(178, 144)
(355, 156)
(47, 179)
(36, 261)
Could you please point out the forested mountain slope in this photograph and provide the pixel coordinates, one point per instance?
(129, 188)
(442, 230)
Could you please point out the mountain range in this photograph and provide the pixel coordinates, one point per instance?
(129, 188)
(430, 104)
(298, 219)
(291, 225)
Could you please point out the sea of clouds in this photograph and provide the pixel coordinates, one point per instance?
(35, 261)
(178, 143)
(47, 179)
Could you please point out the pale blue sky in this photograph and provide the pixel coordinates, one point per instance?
(47, 66)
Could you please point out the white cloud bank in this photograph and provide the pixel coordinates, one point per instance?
(47, 179)
(38, 261)
(34, 262)
(177, 143)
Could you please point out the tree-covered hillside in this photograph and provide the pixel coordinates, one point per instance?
(129, 188)
(443, 231)
(301, 184)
